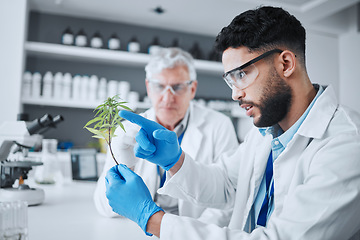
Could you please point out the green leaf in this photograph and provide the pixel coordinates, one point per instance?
(92, 121)
(106, 125)
(125, 107)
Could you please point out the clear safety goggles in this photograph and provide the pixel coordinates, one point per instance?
(176, 89)
(243, 76)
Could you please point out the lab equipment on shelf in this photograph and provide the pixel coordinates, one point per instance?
(114, 42)
(67, 37)
(47, 90)
(81, 39)
(133, 45)
(36, 85)
(96, 41)
(154, 46)
(58, 85)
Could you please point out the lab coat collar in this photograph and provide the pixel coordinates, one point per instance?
(320, 115)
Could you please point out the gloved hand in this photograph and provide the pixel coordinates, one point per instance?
(154, 142)
(123, 146)
(128, 195)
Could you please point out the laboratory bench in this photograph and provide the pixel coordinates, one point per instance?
(68, 212)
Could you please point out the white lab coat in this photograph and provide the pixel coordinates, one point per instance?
(317, 183)
(208, 134)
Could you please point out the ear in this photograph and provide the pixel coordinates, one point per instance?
(288, 63)
(193, 89)
(147, 87)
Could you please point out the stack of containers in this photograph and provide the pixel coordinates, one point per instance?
(79, 88)
(13, 220)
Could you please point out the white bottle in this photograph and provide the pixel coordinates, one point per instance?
(112, 88)
(93, 87)
(76, 87)
(26, 86)
(36, 85)
(114, 42)
(102, 93)
(123, 90)
(66, 93)
(67, 37)
(133, 100)
(84, 89)
(48, 85)
(81, 39)
(96, 41)
(134, 45)
(58, 85)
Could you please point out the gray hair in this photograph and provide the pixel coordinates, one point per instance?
(169, 58)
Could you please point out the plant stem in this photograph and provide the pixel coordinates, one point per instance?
(109, 143)
(113, 155)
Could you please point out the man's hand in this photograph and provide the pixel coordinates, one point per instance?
(128, 196)
(154, 142)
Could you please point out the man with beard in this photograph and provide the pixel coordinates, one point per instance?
(296, 176)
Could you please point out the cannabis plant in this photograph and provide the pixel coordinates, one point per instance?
(106, 120)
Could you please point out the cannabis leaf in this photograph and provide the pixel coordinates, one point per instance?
(106, 120)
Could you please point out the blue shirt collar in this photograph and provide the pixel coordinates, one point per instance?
(285, 137)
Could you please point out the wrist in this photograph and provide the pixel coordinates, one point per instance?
(177, 165)
(154, 223)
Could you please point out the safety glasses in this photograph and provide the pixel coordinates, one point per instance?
(243, 76)
(176, 89)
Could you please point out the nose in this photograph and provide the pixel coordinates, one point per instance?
(168, 96)
(237, 93)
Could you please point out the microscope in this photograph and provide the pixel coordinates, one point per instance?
(16, 138)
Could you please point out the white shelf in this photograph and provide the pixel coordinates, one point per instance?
(64, 52)
(74, 103)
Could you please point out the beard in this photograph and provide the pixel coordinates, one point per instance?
(275, 101)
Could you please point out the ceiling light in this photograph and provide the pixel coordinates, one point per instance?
(159, 10)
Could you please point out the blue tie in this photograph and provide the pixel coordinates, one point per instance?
(163, 177)
(268, 197)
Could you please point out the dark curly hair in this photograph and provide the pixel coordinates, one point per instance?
(263, 29)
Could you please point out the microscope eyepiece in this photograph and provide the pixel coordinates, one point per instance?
(42, 124)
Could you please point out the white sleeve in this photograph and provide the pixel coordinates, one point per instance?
(325, 206)
(225, 140)
(206, 185)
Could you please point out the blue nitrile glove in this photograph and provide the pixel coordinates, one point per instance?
(154, 142)
(128, 195)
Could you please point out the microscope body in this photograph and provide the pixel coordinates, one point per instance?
(16, 138)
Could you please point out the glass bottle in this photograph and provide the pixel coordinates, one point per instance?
(133, 45)
(81, 39)
(67, 37)
(154, 46)
(96, 41)
(114, 42)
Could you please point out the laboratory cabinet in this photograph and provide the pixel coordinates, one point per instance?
(45, 52)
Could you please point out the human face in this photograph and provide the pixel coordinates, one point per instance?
(268, 98)
(243, 76)
(170, 108)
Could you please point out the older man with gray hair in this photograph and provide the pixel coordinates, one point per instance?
(203, 133)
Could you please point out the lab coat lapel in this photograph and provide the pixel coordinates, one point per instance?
(193, 136)
(260, 159)
(253, 164)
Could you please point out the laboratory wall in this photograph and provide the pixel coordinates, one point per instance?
(322, 59)
(349, 55)
(13, 26)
